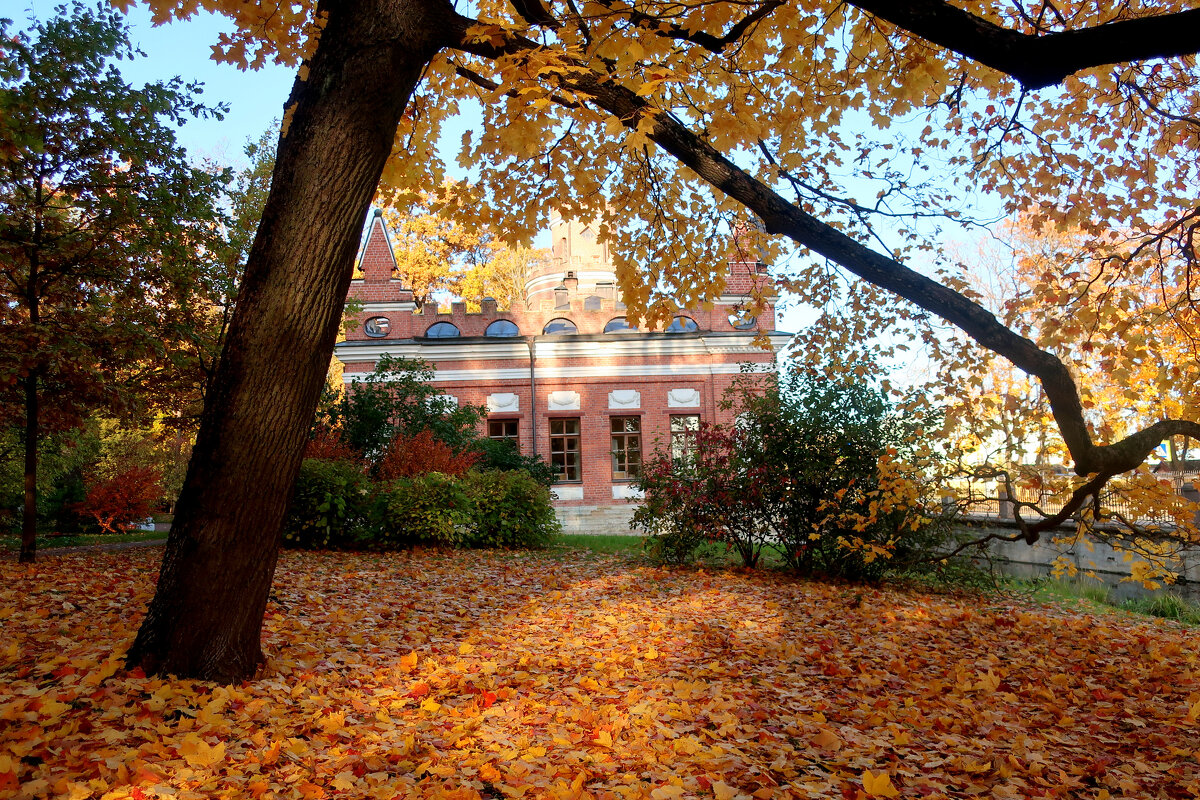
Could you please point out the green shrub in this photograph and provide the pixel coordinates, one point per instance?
(331, 506)
(508, 509)
(502, 455)
(823, 473)
(429, 509)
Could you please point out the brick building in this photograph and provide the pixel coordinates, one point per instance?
(565, 375)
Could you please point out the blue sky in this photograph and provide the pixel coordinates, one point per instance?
(255, 98)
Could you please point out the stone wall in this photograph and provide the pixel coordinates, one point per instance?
(596, 520)
(1092, 555)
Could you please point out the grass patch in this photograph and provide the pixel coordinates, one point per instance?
(609, 543)
(1165, 606)
(43, 542)
(1098, 598)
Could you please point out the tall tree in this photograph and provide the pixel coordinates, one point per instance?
(201, 326)
(435, 253)
(500, 275)
(667, 121)
(104, 226)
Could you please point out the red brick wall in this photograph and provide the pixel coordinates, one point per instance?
(378, 286)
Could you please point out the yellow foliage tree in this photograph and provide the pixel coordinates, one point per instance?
(1123, 325)
(434, 253)
(668, 122)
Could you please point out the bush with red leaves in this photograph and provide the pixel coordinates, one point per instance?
(126, 497)
(408, 456)
(327, 444)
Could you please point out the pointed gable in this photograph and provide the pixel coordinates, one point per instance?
(377, 262)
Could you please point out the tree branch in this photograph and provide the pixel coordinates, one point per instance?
(781, 217)
(714, 44)
(1040, 61)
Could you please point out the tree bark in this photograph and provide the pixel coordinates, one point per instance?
(206, 616)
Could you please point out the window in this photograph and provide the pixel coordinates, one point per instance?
(506, 429)
(682, 325)
(376, 327)
(442, 330)
(619, 325)
(684, 428)
(564, 448)
(626, 447)
(743, 321)
(559, 325)
(502, 328)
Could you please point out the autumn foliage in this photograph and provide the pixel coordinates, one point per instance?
(328, 444)
(122, 498)
(422, 453)
(823, 471)
(479, 675)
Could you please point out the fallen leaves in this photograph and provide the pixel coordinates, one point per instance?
(496, 675)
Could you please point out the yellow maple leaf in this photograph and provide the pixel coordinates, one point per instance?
(199, 754)
(723, 791)
(879, 785)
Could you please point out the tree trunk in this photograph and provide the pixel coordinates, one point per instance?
(205, 619)
(32, 299)
(29, 512)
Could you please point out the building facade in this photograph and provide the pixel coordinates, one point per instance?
(565, 375)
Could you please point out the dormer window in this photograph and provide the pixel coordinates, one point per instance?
(442, 330)
(619, 325)
(376, 327)
(560, 326)
(682, 324)
(743, 321)
(502, 328)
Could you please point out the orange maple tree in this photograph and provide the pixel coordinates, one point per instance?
(674, 119)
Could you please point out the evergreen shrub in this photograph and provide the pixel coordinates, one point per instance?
(331, 506)
(430, 509)
(509, 509)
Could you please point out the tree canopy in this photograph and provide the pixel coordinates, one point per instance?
(107, 233)
(856, 133)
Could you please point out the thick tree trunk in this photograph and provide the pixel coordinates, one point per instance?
(206, 616)
(29, 511)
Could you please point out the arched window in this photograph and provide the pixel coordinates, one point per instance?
(560, 325)
(442, 330)
(619, 325)
(682, 324)
(501, 328)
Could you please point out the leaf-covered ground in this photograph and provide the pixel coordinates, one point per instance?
(471, 675)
